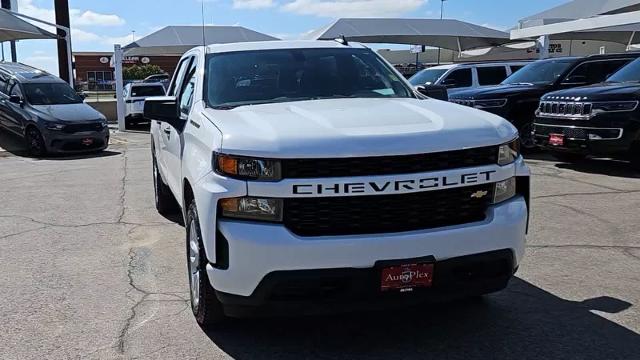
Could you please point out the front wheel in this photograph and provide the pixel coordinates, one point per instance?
(206, 307)
(527, 141)
(35, 142)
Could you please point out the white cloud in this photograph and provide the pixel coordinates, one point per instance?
(44, 62)
(77, 16)
(353, 8)
(92, 18)
(78, 35)
(252, 4)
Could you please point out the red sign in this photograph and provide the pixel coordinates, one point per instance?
(87, 142)
(556, 139)
(406, 277)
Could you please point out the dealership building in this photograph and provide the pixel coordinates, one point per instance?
(94, 71)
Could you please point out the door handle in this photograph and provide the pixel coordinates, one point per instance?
(167, 131)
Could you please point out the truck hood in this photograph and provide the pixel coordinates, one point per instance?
(499, 92)
(356, 127)
(68, 112)
(599, 92)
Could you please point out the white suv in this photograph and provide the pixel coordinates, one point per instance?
(312, 177)
(134, 97)
(458, 77)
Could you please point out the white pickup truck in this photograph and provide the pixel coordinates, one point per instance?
(312, 177)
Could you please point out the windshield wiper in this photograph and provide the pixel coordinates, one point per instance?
(521, 83)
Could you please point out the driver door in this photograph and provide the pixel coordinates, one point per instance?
(172, 137)
(160, 131)
(15, 113)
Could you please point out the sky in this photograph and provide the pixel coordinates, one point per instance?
(98, 24)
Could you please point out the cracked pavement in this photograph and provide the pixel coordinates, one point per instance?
(88, 269)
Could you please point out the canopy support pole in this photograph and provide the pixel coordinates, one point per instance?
(459, 47)
(633, 34)
(117, 65)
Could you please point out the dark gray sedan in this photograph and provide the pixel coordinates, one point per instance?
(48, 113)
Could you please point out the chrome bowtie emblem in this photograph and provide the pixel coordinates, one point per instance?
(479, 194)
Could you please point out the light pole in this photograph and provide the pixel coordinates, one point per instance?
(133, 35)
(441, 14)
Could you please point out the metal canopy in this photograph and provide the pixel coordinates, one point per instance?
(618, 28)
(14, 28)
(449, 34)
(176, 40)
(580, 9)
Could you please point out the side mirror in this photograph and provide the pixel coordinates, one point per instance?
(449, 82)
(575, 80)
(16, 99)
(164, 109)
(438, 92)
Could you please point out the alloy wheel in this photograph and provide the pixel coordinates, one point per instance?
(194, 266)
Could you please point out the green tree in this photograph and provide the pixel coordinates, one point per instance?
(139, 72)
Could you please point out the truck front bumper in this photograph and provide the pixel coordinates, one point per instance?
(257, 251)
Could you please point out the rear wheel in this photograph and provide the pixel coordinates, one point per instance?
(35, 142)
(568, 157)
(206, 307)
(165, 202)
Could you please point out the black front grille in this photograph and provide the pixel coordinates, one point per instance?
(565, 109)
(86, 127)
(386, 213)
(568, 132)
(388, 165)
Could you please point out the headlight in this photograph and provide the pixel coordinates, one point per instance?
(611, 106)
(252, 208)
(509, 152)
(504, 190)
(493, 103)
(54, 126)
(246, 168)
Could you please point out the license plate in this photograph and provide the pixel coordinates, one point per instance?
(406, 277)
(556, 139)
(87, 142)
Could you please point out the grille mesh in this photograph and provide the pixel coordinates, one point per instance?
(386, 213)
(388, 165)
(572, 133)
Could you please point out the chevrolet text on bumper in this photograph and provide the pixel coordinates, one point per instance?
(359, 195)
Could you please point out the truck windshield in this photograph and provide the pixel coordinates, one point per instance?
(427, 77)
(629, 73)
(539, 73)
(50, 94)
(269, 76)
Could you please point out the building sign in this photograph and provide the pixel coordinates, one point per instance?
(130, 60)
(104, 60)
(553, 49)
(145, 60)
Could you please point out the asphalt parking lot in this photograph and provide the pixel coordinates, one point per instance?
(88, 269)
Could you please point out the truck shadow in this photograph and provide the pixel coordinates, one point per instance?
(522, 322)
(608, 167)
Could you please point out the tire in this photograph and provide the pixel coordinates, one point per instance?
(634, 156)
(205, 306)
(527, 143)
(35, 142)
(165, 202)
(568, 157)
